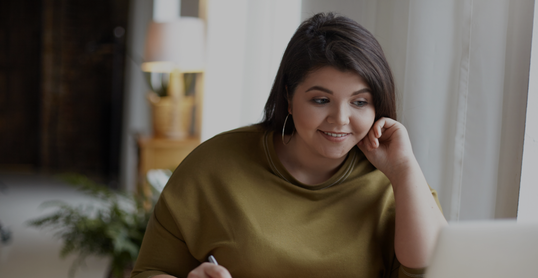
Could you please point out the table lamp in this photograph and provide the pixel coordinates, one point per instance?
(172, 49)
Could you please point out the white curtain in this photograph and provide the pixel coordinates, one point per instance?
(461, 70)
(528, 191)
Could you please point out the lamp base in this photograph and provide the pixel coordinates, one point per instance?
(167, 117)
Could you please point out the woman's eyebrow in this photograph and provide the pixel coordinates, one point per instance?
(319, 88)
(362, 91)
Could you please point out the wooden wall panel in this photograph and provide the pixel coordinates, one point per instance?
(70, 74)
(20, 52)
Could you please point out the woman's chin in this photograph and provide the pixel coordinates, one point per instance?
(337, 154)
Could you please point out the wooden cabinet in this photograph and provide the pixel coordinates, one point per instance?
(161, 153)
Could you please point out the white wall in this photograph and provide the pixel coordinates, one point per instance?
(245, 42)
(136, 116)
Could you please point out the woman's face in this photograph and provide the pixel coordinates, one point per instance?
(332, 111)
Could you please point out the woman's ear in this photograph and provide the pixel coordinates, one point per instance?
(288, 98)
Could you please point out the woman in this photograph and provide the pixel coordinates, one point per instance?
(326, 186)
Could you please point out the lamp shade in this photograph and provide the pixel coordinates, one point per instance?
(178, 44)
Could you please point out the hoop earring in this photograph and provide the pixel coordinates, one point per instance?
(284, 128)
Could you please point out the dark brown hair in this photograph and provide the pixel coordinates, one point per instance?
(330, 40)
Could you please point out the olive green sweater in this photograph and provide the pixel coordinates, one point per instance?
(232, 198)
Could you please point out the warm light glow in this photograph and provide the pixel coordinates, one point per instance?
(158, 66)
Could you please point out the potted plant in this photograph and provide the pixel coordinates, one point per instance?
(112, 225)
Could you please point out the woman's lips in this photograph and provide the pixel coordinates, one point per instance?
(335, 136)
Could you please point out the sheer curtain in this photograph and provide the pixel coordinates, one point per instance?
(461, 70)
(527, 206)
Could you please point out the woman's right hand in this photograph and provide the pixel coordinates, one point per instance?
(209, 270)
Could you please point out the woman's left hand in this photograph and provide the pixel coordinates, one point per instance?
(418, 218)
(387, 147)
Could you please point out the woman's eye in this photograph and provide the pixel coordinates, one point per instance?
(360, 103)
(320, 100)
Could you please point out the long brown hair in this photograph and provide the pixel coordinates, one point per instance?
(330, 40)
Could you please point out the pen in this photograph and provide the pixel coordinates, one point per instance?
(212, 260)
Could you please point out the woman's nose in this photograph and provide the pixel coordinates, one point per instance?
(339, 115)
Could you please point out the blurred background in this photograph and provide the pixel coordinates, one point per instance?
(76, 97)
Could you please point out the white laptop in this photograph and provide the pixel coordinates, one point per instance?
(490, 249)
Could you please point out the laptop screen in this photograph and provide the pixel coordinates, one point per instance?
(499, 248)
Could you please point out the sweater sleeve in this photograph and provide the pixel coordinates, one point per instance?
(405, 272)
(163, 249)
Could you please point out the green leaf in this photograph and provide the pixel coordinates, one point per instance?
(113, 225)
